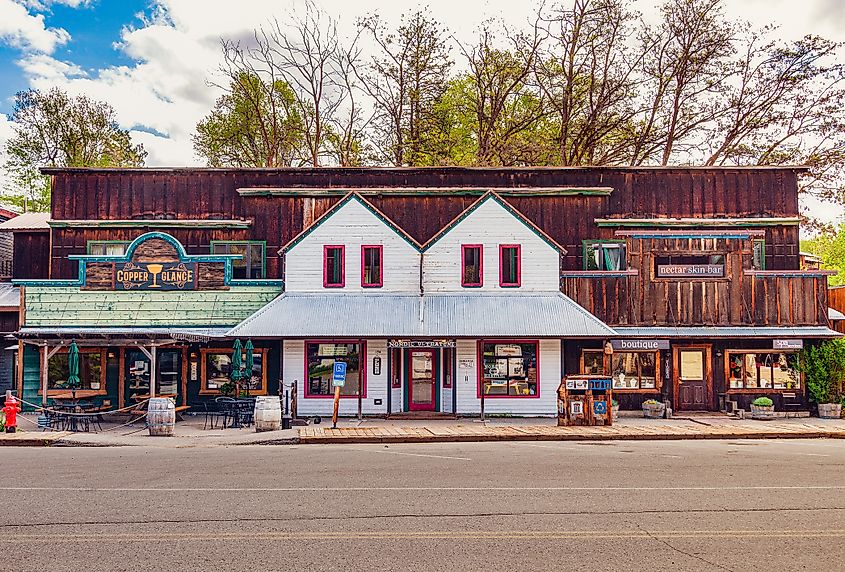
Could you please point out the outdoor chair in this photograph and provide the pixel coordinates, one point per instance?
(213, 412)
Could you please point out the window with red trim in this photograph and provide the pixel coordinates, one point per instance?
(333, 266)
(471, 265)
(319, 368)
(509, 369)
(372, 266)
(510, 265)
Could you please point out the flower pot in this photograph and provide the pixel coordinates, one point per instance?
(763, 412)
(653, 410)
(830, 410)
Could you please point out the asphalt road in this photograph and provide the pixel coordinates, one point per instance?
(683, 505)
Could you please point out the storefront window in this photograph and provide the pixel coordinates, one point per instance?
(634, 370)
(510, 369)
(593, 362)
(320, 367)
(91, 372)
(762, 370)
(218, 370)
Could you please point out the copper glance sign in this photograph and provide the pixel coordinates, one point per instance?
(690, 271)
(155, 276)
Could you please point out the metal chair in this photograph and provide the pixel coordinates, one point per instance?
(213, 412)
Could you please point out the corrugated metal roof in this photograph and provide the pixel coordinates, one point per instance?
(127, 331)
(726, 332)
(835, 314)
(10, 295)
(27, 221)
(429, 316)
(492, 315)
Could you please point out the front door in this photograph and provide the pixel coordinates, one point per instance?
(421, 388)
(692, 378)
(137, 374)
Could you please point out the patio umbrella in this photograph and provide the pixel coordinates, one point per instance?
(248, 363)
(73, 381)
(237, 363)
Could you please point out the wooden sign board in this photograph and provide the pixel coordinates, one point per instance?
(691, 271)
(638, 345)
(787, 344)
(155, 276)
(423, 344)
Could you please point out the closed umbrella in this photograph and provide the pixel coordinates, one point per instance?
(237, 363)
(73, 381)
(248, 363)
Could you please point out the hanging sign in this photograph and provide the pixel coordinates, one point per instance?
(690, 270)
(787, 344)
(421, 344)
(155, 276)
(635, 345)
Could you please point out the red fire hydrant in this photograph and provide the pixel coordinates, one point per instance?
(11, 410)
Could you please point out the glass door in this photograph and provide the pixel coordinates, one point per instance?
(137, 374)
(422, 380)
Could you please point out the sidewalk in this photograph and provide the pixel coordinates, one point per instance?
(190, 433)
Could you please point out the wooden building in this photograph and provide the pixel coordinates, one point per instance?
(446, 285)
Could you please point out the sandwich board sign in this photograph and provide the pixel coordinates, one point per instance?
(339, 374)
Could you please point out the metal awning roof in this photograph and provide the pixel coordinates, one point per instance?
(428, 316)
(10, 295)
(492, 315)
(185, 334)
(835, 315)
(726, 332)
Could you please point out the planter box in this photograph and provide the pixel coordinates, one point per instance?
(763, 413)
(653, 411)
(830, 410)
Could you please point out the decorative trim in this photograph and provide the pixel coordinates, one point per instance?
(380, 283)
(342, 282)
(502, 283)
(420, 191)
(147, 223)
(690, 222)
(599, 273)
(480, 283)
(336, 207)
(788, 273)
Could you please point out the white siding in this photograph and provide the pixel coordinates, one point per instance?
(352, 226)
(491, 225)
(545, 404)
(294, 369)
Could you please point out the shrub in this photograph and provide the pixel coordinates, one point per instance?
(651, 402)
(823, 367)
(763, 402)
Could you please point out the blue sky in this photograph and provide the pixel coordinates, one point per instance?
(152, 59)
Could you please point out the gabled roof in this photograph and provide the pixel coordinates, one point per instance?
(337, 207)
(515, 213)
(27, 221)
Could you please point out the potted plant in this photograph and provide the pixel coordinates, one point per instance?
(228, 389)
(763, 409)
(823, 367)
(653, 409)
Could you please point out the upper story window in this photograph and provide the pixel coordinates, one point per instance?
(758, 254)
(604, 255)
(372, 266)
(251, 263)
(107, 247)
(510, 265)
(689, 266)
(333, 266)
(471, 265)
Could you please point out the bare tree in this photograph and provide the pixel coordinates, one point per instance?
(405, 80)
(349, 124)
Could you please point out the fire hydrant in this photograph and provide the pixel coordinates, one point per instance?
(11, 410)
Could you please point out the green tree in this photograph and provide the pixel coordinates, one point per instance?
(254, 124)
(830, 248)
(53, 129)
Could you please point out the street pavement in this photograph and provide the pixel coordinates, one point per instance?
(640, 505)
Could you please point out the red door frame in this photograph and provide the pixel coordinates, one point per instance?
(422, 407)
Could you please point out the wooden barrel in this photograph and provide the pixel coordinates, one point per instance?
(161, 416)
(268, 413)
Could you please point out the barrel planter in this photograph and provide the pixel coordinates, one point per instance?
(762, 412)
(653, 410)
(830, 410)
(161, 417)
(268, 413)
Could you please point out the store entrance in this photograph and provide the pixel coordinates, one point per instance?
(421, 376)
(692, 378)
(137, 376)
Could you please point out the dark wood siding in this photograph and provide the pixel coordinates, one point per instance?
(31, 255)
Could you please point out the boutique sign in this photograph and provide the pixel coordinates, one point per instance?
(155, 276)
(639, 345)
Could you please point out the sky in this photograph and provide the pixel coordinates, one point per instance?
(152, 59)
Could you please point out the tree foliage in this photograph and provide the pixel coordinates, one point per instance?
(53, 129)
(823, 367)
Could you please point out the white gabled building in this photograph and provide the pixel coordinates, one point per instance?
(475, 316)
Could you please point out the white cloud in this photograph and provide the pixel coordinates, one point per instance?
(26, 31)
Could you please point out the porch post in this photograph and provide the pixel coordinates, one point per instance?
(44, 360)
(153, 370)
